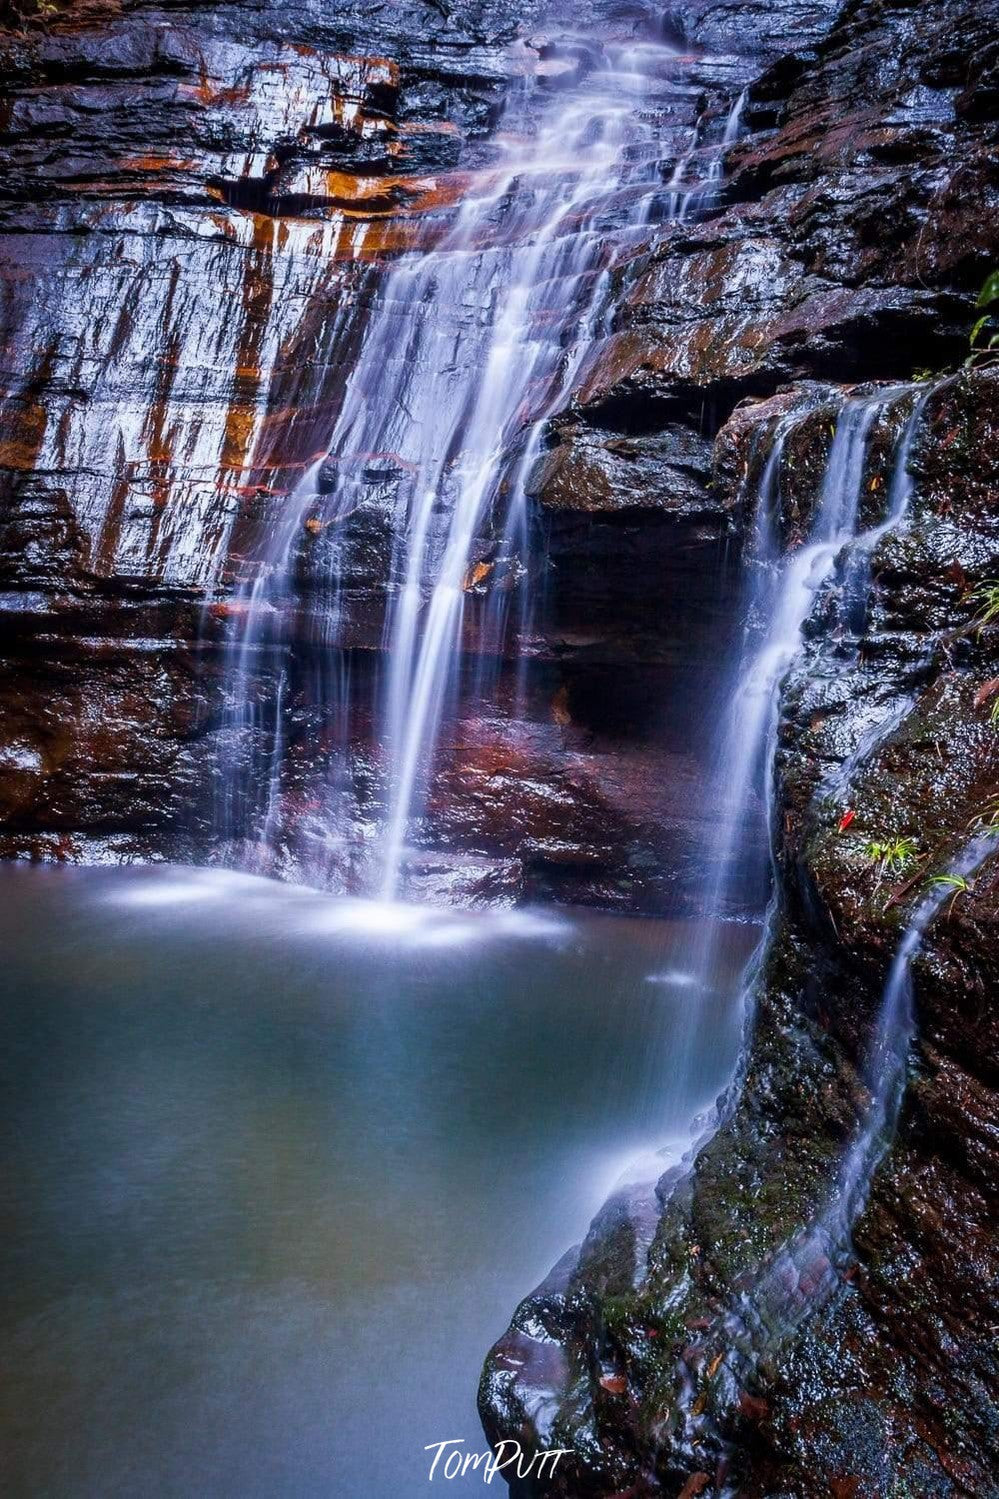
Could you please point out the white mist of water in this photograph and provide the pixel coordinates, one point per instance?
(467, 350)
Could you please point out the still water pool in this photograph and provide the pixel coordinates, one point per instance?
(278, 1167)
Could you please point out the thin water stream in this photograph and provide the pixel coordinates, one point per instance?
(780, 590)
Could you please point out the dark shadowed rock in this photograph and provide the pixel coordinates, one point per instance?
(735, 1345)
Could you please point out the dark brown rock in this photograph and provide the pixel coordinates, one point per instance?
(868, 1366)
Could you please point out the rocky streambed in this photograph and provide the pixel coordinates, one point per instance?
(199, 210)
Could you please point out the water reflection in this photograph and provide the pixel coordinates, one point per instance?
(273, 1178)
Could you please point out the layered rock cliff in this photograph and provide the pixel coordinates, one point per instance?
(199, 210)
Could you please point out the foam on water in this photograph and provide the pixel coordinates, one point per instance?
(165, 887)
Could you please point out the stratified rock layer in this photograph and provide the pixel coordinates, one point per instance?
(198, 210)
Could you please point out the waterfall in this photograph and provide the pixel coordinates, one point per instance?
(895, 1029)
(856, 587)
(453, 402)
(684, 196)
(558, 243)
(780, 593)
(805, 1271)
(733, 124)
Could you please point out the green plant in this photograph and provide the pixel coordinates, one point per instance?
(984, 338)
(986, 596)
(958, 883)
(891, 855)
(987, 820)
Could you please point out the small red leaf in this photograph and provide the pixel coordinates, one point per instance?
(846, 820)
(753, 1408)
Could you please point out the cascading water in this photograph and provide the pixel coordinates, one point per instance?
(781, 591)
(884, 1072)
(460, 406)
(556, 241)
(801, 1277)
(686, 196)
(856, 586)
(453, 403)
(796, 1281)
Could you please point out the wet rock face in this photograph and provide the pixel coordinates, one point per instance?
(847, 242)
(741, 1348)
(190, 200)
(198, 209)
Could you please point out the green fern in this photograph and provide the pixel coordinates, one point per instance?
(956, 882)
(891, 855)
(986, 596)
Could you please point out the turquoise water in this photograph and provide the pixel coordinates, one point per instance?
(277, 1167)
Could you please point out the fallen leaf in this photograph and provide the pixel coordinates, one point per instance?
(614, 1384)
(753, 1408)
(696, 1484)
(713, 1366)
(987, 690)
(846, 820)
(476, 574)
